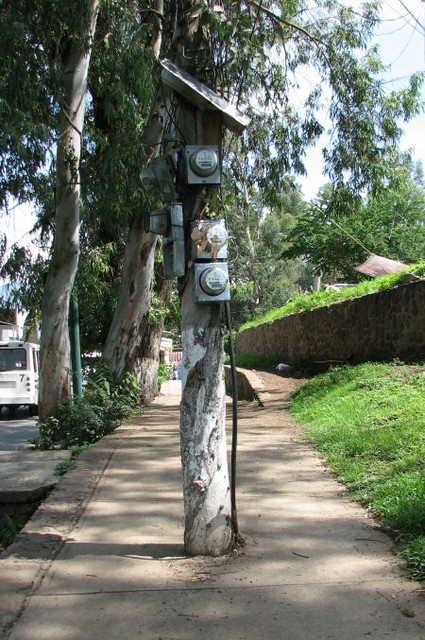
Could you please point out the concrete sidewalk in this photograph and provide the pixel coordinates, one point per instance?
(103, 557)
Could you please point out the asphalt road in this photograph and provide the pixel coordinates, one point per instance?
(17, 430)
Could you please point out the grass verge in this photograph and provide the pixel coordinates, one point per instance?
(368, 421)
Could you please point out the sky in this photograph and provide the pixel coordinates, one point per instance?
(401, 39)
(402, 42)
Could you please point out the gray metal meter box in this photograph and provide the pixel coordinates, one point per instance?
(212, 282)
(158, 221)
(210, 239)
(202, 163)
(159, 179)
(173, 244)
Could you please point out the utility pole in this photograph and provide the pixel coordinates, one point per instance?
(206, 479)
(74, 339)
(201, 116)
(195, 252)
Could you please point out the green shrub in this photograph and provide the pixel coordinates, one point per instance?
(102, 409)
(165, 373)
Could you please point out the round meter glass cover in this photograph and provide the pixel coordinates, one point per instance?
(204, 162)
(217, 235)
(213, 281)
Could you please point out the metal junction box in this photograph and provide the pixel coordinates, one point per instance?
(202, 164)
(212, 282)
(210, 239)
(158, 221)
(169, 223)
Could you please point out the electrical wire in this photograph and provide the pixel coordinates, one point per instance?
(411, 15)
(356, 240)
(234, 516)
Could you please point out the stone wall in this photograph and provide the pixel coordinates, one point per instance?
(379, 326)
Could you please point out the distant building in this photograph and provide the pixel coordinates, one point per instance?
(166, 350)
(12, 324)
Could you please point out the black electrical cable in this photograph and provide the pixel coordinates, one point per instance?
(234, 424)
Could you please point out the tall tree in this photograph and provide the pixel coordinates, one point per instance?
(335, 236)
(44, 80)
(74, 59)
(260, 227)
(255, 28)
(122, 349)
(26, 86)
(120, 88)
(279, 279)
(114, 149)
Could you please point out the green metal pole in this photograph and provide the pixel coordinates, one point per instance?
(74, 337)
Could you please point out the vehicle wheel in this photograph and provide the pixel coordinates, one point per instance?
(33, 410)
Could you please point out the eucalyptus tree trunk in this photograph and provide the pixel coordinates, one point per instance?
(133, 304)
(124, 338)
(55, 381)
(122, 351)
(206, 482)
(148, 353)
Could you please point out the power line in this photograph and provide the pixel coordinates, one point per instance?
(420, 25)
(401, 13)
(409, 17)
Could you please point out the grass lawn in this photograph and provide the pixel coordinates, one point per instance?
(368, 421)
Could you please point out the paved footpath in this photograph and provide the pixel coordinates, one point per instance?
(102, 559)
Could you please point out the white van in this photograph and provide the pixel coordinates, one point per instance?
(19, 370)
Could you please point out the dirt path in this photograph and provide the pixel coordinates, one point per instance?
(275, 402)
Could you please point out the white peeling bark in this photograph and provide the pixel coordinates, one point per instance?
(134, 300)
(206, 482)
(55, 383)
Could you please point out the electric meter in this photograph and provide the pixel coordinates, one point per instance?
(204, 161)
(210, 239)
(212, 282)
(202, 164)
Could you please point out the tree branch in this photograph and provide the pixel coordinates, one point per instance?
(158, 12)
(287, 23)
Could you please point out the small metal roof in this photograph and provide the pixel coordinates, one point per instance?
(202, 96)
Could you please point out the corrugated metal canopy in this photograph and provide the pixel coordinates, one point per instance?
(376, 266)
